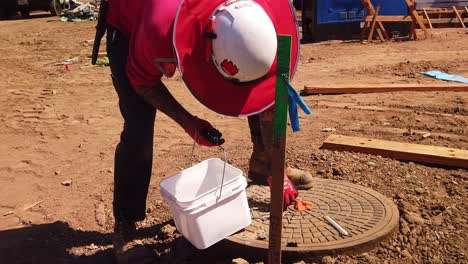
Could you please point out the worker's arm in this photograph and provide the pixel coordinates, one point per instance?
(200, 130)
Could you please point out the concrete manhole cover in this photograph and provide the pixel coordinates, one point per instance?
(367, 215)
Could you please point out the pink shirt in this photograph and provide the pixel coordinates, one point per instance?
(149, 25)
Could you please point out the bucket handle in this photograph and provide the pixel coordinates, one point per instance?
(224, 168)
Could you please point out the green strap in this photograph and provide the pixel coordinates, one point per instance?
(281, 99)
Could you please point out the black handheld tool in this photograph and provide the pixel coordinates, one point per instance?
(214, 138)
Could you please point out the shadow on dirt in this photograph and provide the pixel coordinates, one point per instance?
(17, 16)
(53, 243)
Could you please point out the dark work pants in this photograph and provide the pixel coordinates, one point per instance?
(134, 153)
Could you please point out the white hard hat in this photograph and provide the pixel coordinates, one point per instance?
(244, 42)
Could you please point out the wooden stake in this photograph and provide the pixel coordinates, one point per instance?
(379, 33)
(278, 150)
(417, 18)
(370, 12)
(427, 17)
(458, 16)
(384, 31)
(364, 29)
(374, 19)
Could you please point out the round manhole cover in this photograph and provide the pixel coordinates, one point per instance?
(367, 216)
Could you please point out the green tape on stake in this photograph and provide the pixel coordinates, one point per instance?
(281, 98)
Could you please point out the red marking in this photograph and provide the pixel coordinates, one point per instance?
(229, 67)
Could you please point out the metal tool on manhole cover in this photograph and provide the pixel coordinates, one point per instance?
(360, 217)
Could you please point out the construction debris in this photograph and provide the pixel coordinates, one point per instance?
(338, 227)
(328, 129)
(8, 213)
(67, 183)
(80, 12)
(27, 207)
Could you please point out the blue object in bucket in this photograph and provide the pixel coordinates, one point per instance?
(445, 76)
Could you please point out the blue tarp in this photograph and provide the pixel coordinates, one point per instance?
(445, 76)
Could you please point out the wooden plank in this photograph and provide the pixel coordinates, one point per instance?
(440, 3)
(440, 11)
(382, 89)
(447, 20)
(417, 18)
(398, 150)
(458, 16)
(371, 33)
(428, 18)
(390, 19)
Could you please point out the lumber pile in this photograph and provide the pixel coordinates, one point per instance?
(445, 17)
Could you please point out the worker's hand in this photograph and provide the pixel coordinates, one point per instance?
(289, 192)
(204, 133)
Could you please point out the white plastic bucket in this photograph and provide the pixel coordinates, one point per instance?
(199, 215)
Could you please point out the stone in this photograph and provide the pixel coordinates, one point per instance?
(405, 230)
(300, 262)
(435, 260)
(100, 214)
(57, 172)
(239, 261)
(67, 183)
(414, 218)
(400, 196)
(371, 259)
(328, 260)
(419, 190)
(337, 172)
(405, 253)
(371, 163)
(438, 220)
(168, 230)
(261, 235)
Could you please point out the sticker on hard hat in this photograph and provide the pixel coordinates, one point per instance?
(247, 3)
(229, 67)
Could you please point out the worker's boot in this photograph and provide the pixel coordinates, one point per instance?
(127, 250)
(259, 164)
(261, 131)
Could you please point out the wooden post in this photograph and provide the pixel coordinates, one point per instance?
(417, 18)
(374, 19)
(278, 150)
(458, 16)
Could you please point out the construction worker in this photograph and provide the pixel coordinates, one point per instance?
(226, 54)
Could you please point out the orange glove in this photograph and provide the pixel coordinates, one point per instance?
(302, 205)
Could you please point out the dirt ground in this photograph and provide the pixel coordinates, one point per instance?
(58, 125)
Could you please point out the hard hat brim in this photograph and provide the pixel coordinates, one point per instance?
(202, 78)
